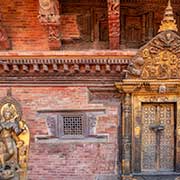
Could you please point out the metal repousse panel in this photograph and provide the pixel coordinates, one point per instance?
(157, 138)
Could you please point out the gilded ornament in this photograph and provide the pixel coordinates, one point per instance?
(168, 22)
(162, 66)
(162, 89)
(145, 53)
(178, 131)
(14, 141)
(137, 131)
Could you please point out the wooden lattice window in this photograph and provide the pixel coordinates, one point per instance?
(73, 125)
(64, 125)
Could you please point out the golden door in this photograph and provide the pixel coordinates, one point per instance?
(158, 142)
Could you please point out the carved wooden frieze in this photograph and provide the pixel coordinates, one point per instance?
(159, 59)
(53, 70)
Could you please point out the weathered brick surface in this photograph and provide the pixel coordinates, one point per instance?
(21, 23)
(26, 33)
(57, 161)
(66, 161)
(69, 27)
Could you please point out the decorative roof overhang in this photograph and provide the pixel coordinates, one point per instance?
(98, 67)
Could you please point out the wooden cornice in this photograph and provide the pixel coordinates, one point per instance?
(41, 65)
(66, 70)
(150, 1)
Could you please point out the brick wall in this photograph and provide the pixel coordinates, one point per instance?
(69, 27)
(66, 161)
(21, 23)
(25, 31)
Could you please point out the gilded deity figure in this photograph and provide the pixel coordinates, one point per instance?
(11, 143)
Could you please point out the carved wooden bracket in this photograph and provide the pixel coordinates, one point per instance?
(50, 18)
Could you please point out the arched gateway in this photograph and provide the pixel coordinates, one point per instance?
(151, 109)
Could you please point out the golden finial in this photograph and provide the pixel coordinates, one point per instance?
(168, 22)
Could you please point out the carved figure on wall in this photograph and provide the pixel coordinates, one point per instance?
(53, 33)
(14, 141)
(49, 11)
(114, 6)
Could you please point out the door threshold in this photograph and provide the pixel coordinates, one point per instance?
(156, 174)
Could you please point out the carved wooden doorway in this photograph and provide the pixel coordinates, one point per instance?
(157, 137)
(151, 108)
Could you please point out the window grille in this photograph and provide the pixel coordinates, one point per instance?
(73, 125)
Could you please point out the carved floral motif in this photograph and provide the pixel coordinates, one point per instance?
(159, 59)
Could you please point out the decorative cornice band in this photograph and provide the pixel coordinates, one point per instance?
(62, 70)
(64, 61)
(150, 1)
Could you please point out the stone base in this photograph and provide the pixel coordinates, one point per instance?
(106, 177)
(127, 178)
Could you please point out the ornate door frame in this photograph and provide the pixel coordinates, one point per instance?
(153, 75)
(137, 92)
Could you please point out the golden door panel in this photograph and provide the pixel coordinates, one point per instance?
(157, 148)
